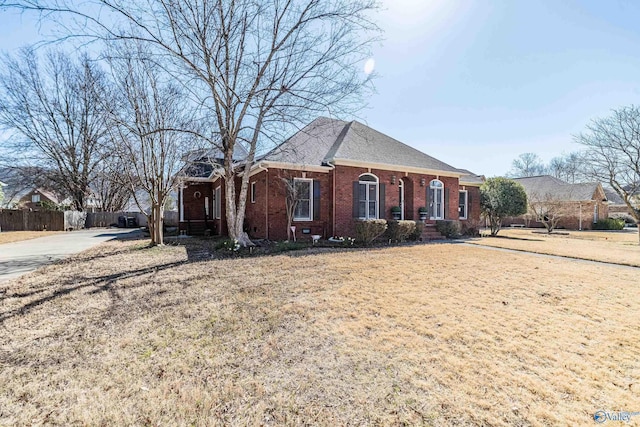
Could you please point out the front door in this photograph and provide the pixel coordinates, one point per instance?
(436, 199)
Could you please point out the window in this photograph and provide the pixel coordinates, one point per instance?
(462, 205)
(217, 203)
(35, 198)
(304, 198)
(368, 197)
(253, 192)
(595, 213)
(206, 207)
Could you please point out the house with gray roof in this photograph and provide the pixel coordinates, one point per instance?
(342, 172)
(578, 206)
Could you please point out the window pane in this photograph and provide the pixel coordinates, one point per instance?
(362, 192)
(302, 210)
(372, 209)
(362, 209)
(369, 178)
(373, 190)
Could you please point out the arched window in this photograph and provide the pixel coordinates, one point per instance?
(436, 199)
(368, 196)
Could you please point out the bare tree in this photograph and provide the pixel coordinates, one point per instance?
(107, 185)
(146, 122)
(291, 201)
(569, 167)
(613, 154)
(547, 209)
(256, 67)
(54, 112)
(527, 164)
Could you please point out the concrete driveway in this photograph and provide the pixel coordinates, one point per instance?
(22, 257)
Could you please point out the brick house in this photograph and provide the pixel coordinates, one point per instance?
(342, 171)
(37, 198)
(580, 205)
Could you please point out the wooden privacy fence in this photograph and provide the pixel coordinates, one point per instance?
(105, 219)
(23, 220)
(19, 220)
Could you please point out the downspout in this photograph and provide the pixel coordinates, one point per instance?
(580, 207)
(333, 197)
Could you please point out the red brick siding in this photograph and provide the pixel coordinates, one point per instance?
(266, 218)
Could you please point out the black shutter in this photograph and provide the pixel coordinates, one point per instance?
(468, 204)
(426, 198)
(356, 199)
(316, 200)
(382, 214)
(446, 203)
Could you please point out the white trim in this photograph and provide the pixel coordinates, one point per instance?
(181, 202)
(470, 184)
(443, 214)
(402, 198)
(385, 166)
(259, 167)
(310, 217)
(217, 206)
(466, 204)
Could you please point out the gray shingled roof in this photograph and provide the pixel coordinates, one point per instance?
(200, 162)
(561, 190)
(470, 177)
(327, 140)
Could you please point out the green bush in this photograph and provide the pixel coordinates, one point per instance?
(400, 231)
(369, 229)
(417, 232)
(609, 224)
(450, 229)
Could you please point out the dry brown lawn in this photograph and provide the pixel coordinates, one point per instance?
(16, 236)
(613, 246)
(436, 335)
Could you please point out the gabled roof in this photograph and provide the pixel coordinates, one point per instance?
(559, 189)
(330, 141)
(200, 163)
(471, 178)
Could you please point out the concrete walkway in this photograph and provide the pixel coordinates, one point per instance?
(22, 257)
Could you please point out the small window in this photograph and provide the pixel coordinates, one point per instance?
(304, 199)
(253, 192)
(462, 205)
(206, 207)
(35, 198)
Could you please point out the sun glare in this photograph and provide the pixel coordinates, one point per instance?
(369, 66)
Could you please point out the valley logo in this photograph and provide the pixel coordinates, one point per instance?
(602, 416)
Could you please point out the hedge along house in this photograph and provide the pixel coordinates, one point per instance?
(342, 172)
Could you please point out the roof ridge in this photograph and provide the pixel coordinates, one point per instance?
(338, 142)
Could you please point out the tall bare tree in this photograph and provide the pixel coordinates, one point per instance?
(107, 185)
(569, 167)
(527, 164)
(613, 154)
(256, 67)
(146, 124)
(53, 109)
(547, 209)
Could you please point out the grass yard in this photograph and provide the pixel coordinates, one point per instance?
(620, 247)
(436, 335)
(16, 236)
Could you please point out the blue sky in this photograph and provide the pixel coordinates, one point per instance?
(475, 83)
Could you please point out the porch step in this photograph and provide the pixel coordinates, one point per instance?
(430, 233)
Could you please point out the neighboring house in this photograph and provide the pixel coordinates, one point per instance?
(343, 171)
(35, 199)
(578, 206)
(617, 205)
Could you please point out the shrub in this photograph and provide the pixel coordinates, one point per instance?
(628, 219)
(449, 228)
(417, 232)
(609, 224)
(369, 229)
(470, 228)
(399, 231)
